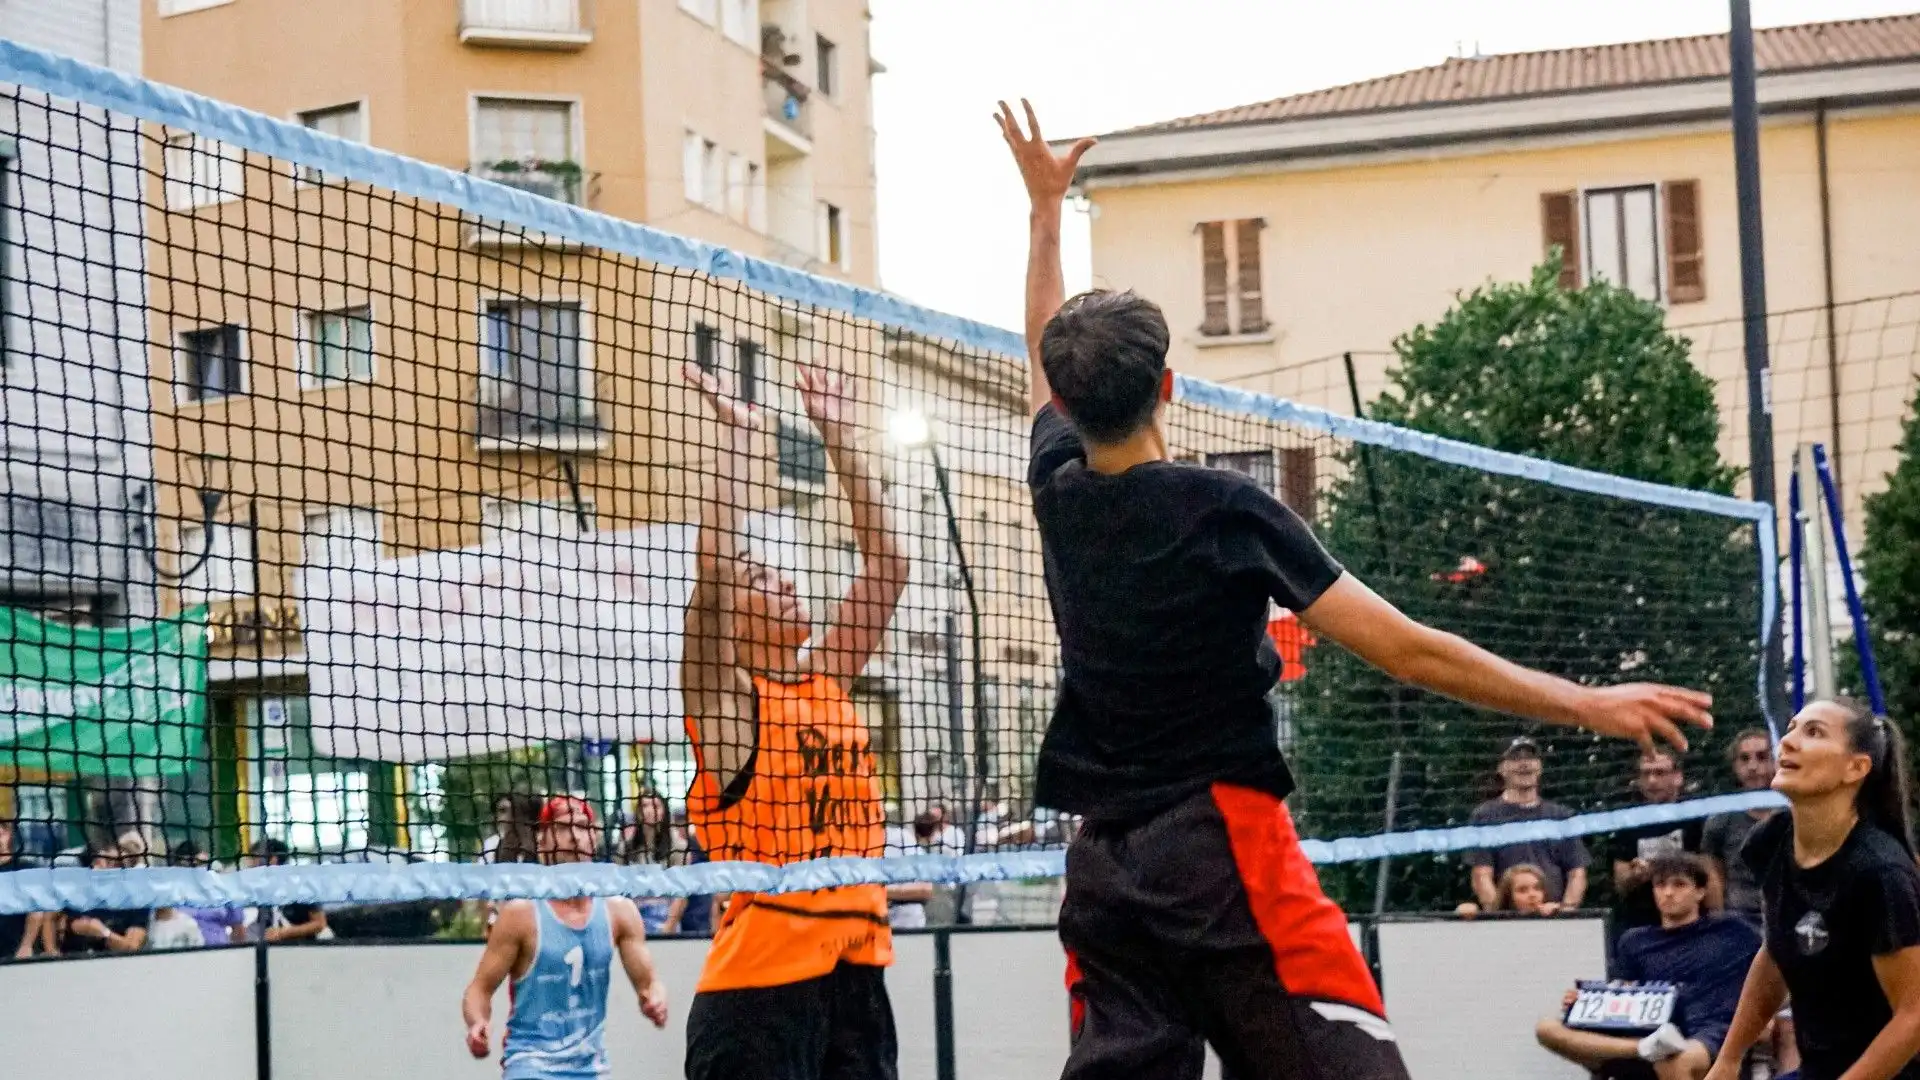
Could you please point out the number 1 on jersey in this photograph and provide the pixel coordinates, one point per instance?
(575, 959)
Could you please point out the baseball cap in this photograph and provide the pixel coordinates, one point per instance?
(1522, 747)
(552, 808)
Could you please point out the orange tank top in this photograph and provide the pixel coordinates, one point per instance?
(812, 795)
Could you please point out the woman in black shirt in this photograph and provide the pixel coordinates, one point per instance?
(1842, 897)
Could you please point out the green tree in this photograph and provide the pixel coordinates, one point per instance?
(1890, 563)
(1596, 588)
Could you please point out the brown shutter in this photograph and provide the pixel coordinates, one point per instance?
(1296, 480)
(1686, 263)
(1213, 276)
(1560, 224)
(1253, 314)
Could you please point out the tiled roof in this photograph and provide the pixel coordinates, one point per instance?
(1597, 67)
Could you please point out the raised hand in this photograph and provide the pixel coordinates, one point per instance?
(1644, 712)
(827, 396)
(728, 409)
(1047, 175)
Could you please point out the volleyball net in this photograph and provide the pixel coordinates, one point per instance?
(352, 505)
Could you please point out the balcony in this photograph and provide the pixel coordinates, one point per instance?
(565, 25)
(561, 181)
(518, 419)
(788, 119)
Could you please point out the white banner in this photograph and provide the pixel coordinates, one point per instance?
(527, 639)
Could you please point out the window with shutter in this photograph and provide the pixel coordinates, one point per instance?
(1213, 276)
(1253, 312)
(1297, 480)
(1686, 264)
(1560, 228)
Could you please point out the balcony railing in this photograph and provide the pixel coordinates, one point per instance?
(785, 98)
(561, 181)
(527, 24)
(514, 417)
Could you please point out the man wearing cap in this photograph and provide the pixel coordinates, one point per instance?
(1562, 863)
(560, 955)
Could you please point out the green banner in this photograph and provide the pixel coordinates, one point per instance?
(124, 702)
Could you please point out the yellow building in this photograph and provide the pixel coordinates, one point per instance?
(361, 375)
(1281, 236)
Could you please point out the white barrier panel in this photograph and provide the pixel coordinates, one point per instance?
(1464, 996)
(185, 1015)
(1010, 1013)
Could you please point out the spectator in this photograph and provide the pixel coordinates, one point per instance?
(1723, 835)
(106, 930)
(1562, 863)
(907, 903)
(951, 840)
(18, 933)
(1522, 891)
(218, 925)
(701, 910)
(1632, 850)
(655, 842)
(289, 922)
(514, 816)
(1705, 955)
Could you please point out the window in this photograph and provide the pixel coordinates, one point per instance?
(706, 344)
(740, 21)
(1618, 235)
(340, 121)
(1230, 278)
(1623, 239)
(827, 56)
(756, 198)
(1255, 463)
(340, 537)
(534, 381)
(317, 811)
(228, 569)
(833, 236)
(336, 346)
(713, 178)
(202, 172)
(704, 10)
(210, 363)
(557, 520)
(528, 145)
(736, 187)
(1291, 477)
(692, 161)
(748, 384)
(802, 455)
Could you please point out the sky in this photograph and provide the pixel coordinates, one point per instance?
(952, 212)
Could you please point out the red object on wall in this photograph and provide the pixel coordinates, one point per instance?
(1292, 640)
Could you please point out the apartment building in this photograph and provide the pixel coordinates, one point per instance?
(364, 377)
(1280, 236)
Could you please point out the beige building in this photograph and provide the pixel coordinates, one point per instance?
(362, 375)
(1281, 235)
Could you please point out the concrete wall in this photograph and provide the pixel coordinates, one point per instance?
(1463, 998)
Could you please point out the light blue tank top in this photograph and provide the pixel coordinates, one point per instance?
(557, 1028)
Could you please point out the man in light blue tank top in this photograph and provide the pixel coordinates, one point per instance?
(560, 955)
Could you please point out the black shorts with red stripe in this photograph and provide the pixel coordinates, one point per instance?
(1205, 925)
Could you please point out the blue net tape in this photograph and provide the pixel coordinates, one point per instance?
(80, 889)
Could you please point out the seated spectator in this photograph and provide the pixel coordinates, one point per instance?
(218, 925)
(512, 840)
(105, 930)
(654, 841)
(18, 933)
(290, 922)
(1562, 863)
(1522, 891)
(1705, 955)
(907, 903)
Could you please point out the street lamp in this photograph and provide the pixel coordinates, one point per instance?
(210, 498)
(911, 430)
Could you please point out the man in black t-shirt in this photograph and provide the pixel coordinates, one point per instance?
(106, 929)
(1191, 912)
(1660, 781)
(1562, 862)
(288, 922)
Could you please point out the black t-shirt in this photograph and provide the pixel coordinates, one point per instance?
(1161, 580)
(1635, 906)
(1824, 926)
(117, 920)
(286, 915)
(12, 927)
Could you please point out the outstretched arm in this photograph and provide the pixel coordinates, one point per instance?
(497, 961)
(1357, 618)
(719, 693)
(630, 942)
(860, 622)
(1047, 177)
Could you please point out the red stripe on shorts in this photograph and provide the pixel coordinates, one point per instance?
(1312, 951)
(1076, 1006)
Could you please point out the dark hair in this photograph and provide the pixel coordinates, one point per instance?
(272, 851)
(1663, 750)
(517, 841)
(926, 824)
(656, 848)
(1883, 797)
(1105, 354)
(185, 853)
(1677, 864)
(1744, 734)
